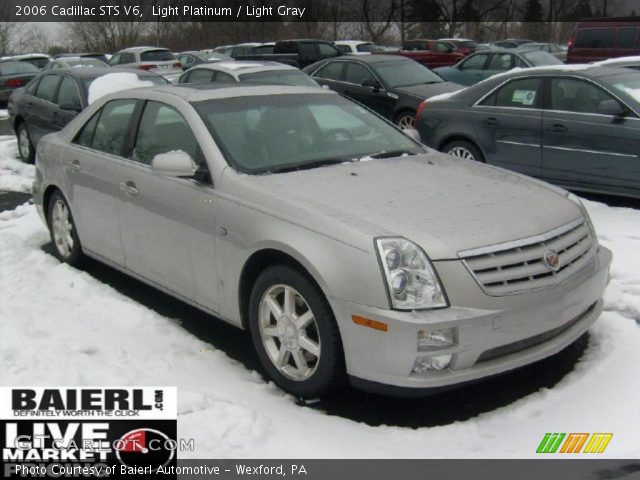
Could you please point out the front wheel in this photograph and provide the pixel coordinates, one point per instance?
(25, 147)
(294, 332)
(63, 231)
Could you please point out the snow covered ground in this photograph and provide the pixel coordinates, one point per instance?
(61, 326)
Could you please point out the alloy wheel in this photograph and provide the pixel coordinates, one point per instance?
(62, 228)
(461, 152)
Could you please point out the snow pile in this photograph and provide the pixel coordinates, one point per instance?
(114, 82)
(615, 61)
(62, 326)
(443, 96)
(15, 176)
(4, 114)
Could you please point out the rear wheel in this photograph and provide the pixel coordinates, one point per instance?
(464, 149)
(63, 232)
(294, 333)
(25, 147)
(406, 119)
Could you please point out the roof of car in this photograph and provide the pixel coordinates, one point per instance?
(351, 42)
(142, 49)
(95, 72)
(245, 66)
(375, 57)
(196, 92)
(12, 58)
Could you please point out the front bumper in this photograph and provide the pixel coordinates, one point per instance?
(494, 334)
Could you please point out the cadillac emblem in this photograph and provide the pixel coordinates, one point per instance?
(552, 260)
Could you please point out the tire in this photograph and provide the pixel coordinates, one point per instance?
(62, 229)
(405, 119)
(285, 347)
(25, 147)
(464, 149)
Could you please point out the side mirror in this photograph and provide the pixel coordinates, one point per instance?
(612, 107)
(413, 134)
(370, 82)
(174, 164)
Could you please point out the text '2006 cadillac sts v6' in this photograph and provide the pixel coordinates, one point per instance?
(346, 248)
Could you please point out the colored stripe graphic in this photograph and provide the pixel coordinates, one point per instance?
(598, 442)
(550, 443)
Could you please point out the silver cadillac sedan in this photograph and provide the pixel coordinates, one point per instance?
(348, 250)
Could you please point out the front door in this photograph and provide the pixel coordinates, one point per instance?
(166, 222)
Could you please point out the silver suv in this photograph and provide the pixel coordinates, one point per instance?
(151, 59)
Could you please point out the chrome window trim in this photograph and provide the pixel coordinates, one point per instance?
(342, 81)
(508, 80)
(596, 152)
(510, 142)
(521, 242)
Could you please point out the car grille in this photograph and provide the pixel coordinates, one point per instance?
(515, 267)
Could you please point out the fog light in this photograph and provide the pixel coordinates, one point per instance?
(436, 362)
(433, 340)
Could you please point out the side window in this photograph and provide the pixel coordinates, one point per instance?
(128, 58)
(474, 63)
(521, 93)
(501, 61)
(328, 51)
(185, 60)
(357, 73)
(344, 48)
(221, 77)
(595, 38)
(443, 47)
(113, 126)
(68, 96)
(571, 95)
(47, 87)
(162, 129)
(85, 136)
(115, 60)
(33, 86)
(331, 71)
(626, 37)
(200, 75)
(308, 50)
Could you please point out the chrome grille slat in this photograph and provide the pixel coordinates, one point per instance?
(520, 266)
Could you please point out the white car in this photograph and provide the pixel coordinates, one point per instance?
(356, 47)
(151, 59)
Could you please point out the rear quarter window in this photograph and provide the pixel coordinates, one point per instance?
(156, 56)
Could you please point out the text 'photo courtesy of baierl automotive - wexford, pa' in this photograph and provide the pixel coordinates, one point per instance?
(328, 239)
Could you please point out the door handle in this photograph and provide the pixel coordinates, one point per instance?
(129, 188)
(75, 166)
(558, 128)
(492, 121)
(29, 105)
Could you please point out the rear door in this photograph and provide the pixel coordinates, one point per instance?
(331, 74)
(93, 168)
(68, 103)
(509, 122)
(583, 147)
(166, 222)
(40, 116)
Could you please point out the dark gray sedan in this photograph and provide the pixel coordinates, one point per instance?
(14, 75)
(576, 126)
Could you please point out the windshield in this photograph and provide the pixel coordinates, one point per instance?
(405, 73)
(367, 47)
(156, 56)
(86, 62)
(280, 77)
(14, 68)
(629, 84)
(276, 133)
(539, 59)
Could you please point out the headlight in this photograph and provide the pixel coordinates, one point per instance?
(411, 281)
(575, 199)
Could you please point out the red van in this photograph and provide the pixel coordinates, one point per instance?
(601, 38)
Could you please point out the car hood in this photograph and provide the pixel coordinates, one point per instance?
(430, 89)
(445, 205)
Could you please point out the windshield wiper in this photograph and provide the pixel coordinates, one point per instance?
(308, 165)
(388, 154)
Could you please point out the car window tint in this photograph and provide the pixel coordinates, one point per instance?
(113, 125)
(358, 73)
(476, 62)
(442, 47)
(115, 60)
(501, 62)
(127, 58)
(572, 95)
(595, 38)
(327, 51)
(156, 56)
(331, 71)
(344, 48)
(33, 86)
(68, 96)
(519, 94)
(85, 136)
(221, 77)
(307, 50)
(626, 37)
(47, 87)
(162, 129)
(200, 75)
